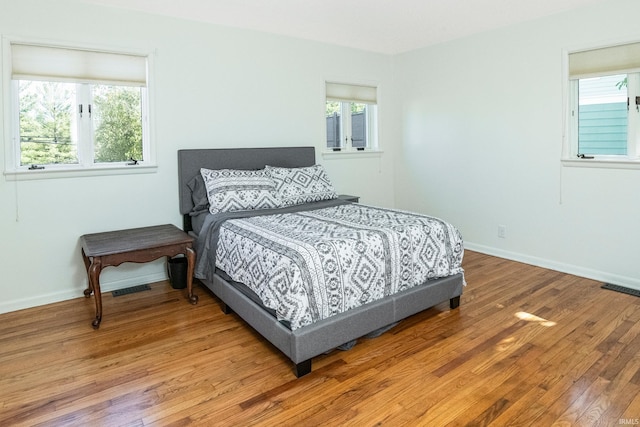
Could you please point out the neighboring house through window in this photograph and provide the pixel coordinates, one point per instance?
(604, 104)
(76, 109)
(351, 117)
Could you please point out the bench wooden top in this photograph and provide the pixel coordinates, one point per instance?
(134, 239)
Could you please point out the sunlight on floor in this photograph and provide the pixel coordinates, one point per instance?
(522, 315)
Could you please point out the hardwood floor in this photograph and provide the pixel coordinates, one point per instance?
(527, 346)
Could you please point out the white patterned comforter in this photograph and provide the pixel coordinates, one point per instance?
(310, 265)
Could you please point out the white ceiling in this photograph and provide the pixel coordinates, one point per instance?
(385, 26)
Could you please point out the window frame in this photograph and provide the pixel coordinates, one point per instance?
(13, 170)
(346, 122)
(569, 156)
(372, 122)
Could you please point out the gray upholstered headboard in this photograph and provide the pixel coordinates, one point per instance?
(190, 162)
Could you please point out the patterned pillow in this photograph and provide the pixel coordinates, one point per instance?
(295, 186)
(239, 190)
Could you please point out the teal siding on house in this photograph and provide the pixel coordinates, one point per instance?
(603, 129)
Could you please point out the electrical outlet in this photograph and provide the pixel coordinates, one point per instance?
(502, 231)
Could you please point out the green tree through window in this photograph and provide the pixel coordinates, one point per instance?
(50, 112)
(45, 123)
(118, 123)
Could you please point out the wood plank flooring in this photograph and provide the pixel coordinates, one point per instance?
(526, 347)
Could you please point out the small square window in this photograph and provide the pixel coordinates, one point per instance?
(351, 117)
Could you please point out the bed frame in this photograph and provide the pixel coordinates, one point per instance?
(302, 344)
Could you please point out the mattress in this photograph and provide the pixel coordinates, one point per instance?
(315, 261)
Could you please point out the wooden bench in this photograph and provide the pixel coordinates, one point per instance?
(112, 248)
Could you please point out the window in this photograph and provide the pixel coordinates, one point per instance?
(77, 109)
(351, 117)
(605, 104)
(602, 115)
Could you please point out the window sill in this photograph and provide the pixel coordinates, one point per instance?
(348, 154)
(52, 172)
(607, 163)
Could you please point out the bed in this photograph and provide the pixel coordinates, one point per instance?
(304, 331)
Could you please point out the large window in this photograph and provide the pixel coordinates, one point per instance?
(351, 117)
(77, 109)
(605, 104)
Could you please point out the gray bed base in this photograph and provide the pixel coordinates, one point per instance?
(302, 344)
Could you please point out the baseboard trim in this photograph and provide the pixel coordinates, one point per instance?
(601, 276)
(35, 301)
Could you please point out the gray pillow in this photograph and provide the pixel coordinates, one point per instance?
(198, 194)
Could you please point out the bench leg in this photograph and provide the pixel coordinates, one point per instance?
(191, 261)
(94, 286)
(87, 264)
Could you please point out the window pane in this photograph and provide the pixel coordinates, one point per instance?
(358, 125)
(117, 123)
(47, 128)
(602, 115)
(333, 124)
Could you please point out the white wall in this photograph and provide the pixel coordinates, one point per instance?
(209, 80)
(482, 126)
(476, 139)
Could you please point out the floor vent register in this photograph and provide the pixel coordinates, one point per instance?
(131, 290)
(624, 290)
